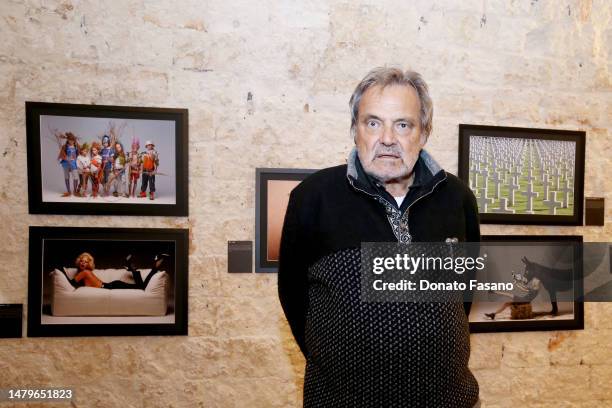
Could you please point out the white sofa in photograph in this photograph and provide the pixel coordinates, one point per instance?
(88, 301)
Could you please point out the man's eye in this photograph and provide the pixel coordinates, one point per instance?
(372, 123)
(403, 125)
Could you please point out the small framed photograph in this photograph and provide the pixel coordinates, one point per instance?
(107, 160)
(524, 176)
(107, 282)
(273, 187)
(546, 272)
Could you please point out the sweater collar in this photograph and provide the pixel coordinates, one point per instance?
(426, 171)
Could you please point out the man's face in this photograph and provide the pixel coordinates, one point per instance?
(388, 131)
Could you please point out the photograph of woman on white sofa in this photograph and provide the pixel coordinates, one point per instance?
(107, 281)
(85, 275)
(87, 281)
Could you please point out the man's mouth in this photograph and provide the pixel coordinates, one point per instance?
(387, 156)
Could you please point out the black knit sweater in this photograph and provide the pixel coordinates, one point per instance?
(363, 354)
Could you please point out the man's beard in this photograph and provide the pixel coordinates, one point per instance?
(382, 172)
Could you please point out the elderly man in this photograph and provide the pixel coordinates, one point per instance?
(377, 354)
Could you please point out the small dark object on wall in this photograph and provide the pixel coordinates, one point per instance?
(240, 256)
(10, 320)
(594, 211)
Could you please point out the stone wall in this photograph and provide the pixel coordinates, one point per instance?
(515, 63)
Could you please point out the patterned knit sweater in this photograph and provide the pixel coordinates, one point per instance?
(385, 354)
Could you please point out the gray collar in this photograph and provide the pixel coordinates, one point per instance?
(429, 162)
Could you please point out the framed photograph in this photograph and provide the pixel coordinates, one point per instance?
(524, 176)
(106, 160)
(273, 187)
(107, 282)
(547, 273)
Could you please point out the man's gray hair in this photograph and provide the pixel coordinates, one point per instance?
(384, 77)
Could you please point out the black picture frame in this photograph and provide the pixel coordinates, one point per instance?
(268, 227)
(165, 127)
(535, 324)
(50, 246)
(571, 198)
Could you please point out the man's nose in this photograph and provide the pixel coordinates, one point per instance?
(387, 137)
